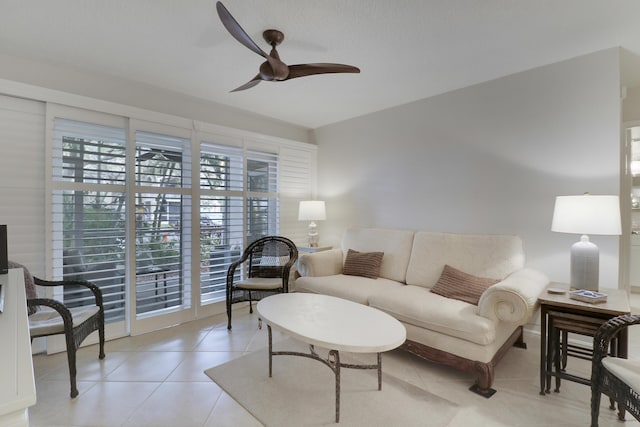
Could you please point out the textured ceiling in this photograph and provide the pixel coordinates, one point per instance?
(406, 49)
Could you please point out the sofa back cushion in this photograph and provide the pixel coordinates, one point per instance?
(482, 255)
(395, 244)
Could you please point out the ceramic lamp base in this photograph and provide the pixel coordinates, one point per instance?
(584, 265)
(312, 235)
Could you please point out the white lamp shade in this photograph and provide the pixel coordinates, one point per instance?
(312, 210)
(587, 214)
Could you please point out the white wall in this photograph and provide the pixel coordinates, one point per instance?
(631, 105)
(22, 177)
(137, 94)
(489, 158)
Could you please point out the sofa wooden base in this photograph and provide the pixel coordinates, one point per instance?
(482, 371)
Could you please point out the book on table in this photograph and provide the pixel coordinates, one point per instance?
(588, 296)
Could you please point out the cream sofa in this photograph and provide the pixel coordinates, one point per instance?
(444, 330)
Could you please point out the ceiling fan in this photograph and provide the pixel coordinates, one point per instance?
(273, 69)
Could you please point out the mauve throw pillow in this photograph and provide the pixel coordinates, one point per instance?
(29, 285)
(365, 264)
(462, 286)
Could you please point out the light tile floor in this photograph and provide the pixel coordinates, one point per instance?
(157, 380)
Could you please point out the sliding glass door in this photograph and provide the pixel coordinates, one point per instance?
(162, 223)
(88, 211)
(155, 214)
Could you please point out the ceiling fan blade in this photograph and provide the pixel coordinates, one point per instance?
(236, 30)
(301, 70)
(248, 85)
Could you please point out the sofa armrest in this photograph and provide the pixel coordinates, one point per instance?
(515, 298)
(325, 263)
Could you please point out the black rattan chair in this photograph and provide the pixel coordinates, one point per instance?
(52, 317)
(262, 270)
(615, 377)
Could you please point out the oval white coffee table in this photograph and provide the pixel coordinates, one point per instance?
(332, 323)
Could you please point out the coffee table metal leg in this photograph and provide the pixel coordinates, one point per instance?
(332, 361)
(270, 351)
(336, 370)
(379, 371)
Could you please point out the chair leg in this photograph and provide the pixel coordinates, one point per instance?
(71, 359)
(101, 338)
(228, 314)
(250, 305)
(595, 404)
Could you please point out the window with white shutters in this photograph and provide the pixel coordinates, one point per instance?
(238, 204)
(162, 226)
(261, 195)
(89, 211)
(221, 216)
(125, 214)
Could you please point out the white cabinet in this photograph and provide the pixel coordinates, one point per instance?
(634, 272)
(17, 384)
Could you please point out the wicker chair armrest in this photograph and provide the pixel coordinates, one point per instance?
(64, 312)
(607, 331)
(232, 271)
(286, 270)
(97, 293)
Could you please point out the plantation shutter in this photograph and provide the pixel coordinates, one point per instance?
(163, 221)
(297, 183)
(261, 195)
(221, 215)
(89, 212)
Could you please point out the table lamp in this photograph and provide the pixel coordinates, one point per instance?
(586, 214)
(312, 210)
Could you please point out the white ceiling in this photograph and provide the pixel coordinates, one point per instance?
(407, 49)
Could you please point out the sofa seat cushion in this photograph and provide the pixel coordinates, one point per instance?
(418, 306)
(259, 283)
(353, 288)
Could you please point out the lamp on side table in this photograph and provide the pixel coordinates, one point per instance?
(586, 214)
(312, 210)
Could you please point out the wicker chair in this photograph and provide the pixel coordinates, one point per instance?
(615, 377)
(51, 317)
(267, 265)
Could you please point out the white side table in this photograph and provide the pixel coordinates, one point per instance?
(308, 249)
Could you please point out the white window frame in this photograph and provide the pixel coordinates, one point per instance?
(196, 132)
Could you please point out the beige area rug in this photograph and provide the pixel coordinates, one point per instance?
(302, 392)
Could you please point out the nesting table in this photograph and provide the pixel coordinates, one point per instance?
(561, 315)
(332, 323)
